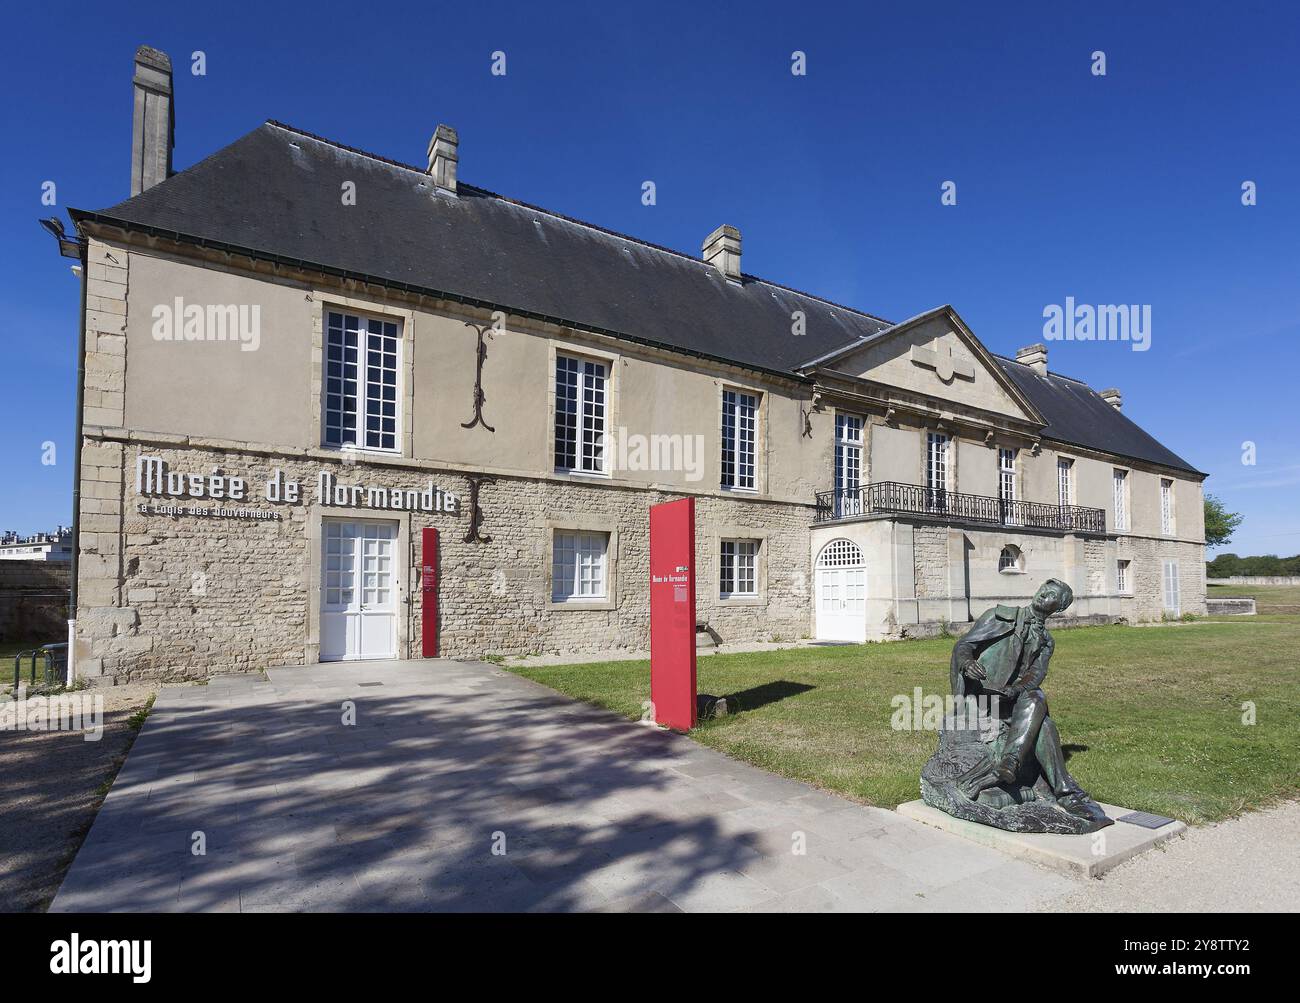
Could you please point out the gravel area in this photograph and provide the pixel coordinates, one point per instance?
(51, 785)
(1246, 864)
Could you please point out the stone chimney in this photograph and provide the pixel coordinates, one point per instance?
(153, 124)
(722, 251)
(1035, 357)
(443, 157)
(1113, 397)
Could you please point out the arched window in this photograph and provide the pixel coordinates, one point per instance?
(1011, 561)
(840, 554)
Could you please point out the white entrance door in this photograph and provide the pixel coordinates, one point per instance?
(841, 593)
(358, 590)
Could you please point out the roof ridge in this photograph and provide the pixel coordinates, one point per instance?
(568, 219)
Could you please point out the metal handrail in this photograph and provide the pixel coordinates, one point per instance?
(914, 499)
(49, 652)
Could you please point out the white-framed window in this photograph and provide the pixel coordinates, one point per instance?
(848, 464)
(578, 568)
(581, 410)
(1172, 599)
(738, 569)
(339, 570)
(739, 428)
(1122, 583)
(1065, 482)
(1007, 484)
(1010, 561)
(936, 470)
(1121, 500)
(1166, 506)
(362, 358)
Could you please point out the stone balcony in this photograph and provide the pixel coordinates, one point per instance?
(896, 498)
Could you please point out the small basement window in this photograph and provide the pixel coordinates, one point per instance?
(1011, 561)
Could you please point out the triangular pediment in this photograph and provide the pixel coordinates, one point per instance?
(933, 354)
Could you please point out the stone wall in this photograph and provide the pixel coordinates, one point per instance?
(186, 595)
(34, 601)
(1230, 607)
(1256, 580)
(1147, 557)
(930, 557)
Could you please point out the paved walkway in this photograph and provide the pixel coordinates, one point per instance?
(1246, 864)
(449, 761)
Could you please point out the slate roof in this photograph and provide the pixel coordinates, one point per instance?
(1077, 415)
(276, 192)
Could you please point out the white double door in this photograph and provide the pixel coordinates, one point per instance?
(841, 604)
(359, 589)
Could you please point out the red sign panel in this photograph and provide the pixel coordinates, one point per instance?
(429, 592)
(672, 613)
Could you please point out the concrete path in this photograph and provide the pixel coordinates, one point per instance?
(448, 762)
(1247, 864)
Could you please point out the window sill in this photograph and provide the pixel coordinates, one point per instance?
(582, 604)
(585, 474)
(738, 491)
(360, 450)
(1011, 571)
(742, 600)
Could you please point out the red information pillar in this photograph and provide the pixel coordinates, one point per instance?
(672, 613)
(429, 592)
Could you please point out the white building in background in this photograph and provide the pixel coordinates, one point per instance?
(56, 546)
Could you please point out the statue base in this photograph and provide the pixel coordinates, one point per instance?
(1086, 856)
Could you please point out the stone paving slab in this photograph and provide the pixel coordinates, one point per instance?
(1088, 856)
(461, 787)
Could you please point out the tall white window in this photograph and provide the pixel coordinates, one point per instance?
(361, 360)
(1166, 506)
(848, 464)
(1172, 599)
(1065, 482)
(578, 566)
(1007, 484)
(739, 424)
(580, 414)
(737, 568)
(1121, 500)
(1122, 584)
(936, 470)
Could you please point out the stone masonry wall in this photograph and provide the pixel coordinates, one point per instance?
(1094, 555)
(104, 628)
(34, 601)
(203, 594)
(930, 553)
(1147, 557)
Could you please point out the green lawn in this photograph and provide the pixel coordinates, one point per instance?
(1264, 595)
(1151, 716)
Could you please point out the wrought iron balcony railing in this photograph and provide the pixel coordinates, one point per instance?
(887, 497)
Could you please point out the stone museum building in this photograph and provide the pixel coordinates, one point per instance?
(299, 356)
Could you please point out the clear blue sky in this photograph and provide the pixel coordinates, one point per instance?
(1119, 189)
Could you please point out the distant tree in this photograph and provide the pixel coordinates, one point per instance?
(1269, 564)
(1228, 565)
(1220, 524)
(1224, 566)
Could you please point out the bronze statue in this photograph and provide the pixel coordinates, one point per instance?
(1003, 765)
